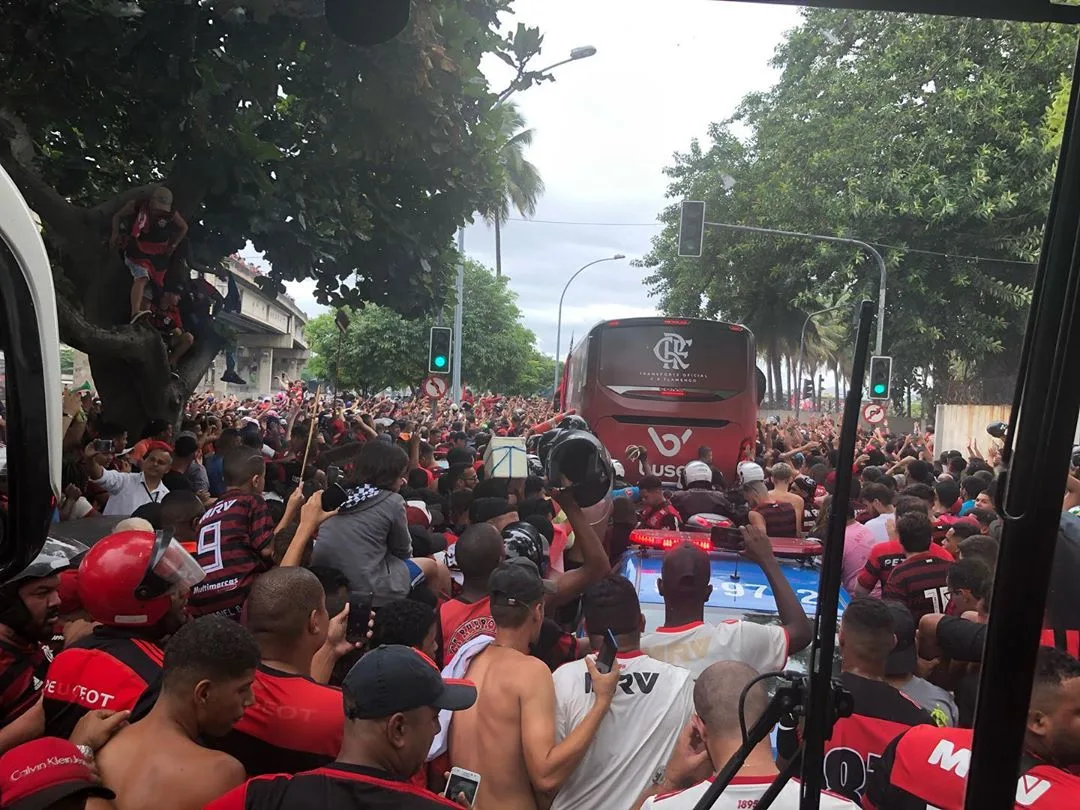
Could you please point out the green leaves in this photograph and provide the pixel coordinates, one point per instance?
(334, 160)
(382, 349)
(908, 131)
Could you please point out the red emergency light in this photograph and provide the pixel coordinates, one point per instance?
(664, 539)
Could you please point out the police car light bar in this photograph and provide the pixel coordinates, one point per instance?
(664, 539)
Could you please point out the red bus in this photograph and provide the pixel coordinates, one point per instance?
(671, 385)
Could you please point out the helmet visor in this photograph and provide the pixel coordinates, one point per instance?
(171, 568)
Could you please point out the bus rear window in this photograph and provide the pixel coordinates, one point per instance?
(698, 356)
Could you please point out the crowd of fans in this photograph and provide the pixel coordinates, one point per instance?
(296, 603)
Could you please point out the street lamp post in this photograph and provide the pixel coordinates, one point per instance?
(577, 54)
(558, 328)
(802, 343)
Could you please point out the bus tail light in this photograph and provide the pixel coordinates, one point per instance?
(673, 392)
(663, 539)
(675, 322)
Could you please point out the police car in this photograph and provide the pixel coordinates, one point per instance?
(740, 589)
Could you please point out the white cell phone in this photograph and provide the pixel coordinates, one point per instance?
(462, 781)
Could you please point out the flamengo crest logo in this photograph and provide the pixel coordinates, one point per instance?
(672, 351)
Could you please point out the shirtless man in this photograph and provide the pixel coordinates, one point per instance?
(155, 764)
(508, 737)
(782, 476)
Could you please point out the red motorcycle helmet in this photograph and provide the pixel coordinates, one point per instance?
(127, 579)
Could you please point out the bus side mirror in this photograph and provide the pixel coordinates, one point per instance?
(759, 375)
(29, 385)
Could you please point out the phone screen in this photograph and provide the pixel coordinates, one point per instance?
(458, 784)
(333, 497)
(606, 657)
(727, 538)
(359, 616)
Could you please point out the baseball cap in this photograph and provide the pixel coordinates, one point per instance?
(161, 199)
(518, 582)
(903, 660)
(750, 472)
(417, 513)
(37, 774)
(394, 678)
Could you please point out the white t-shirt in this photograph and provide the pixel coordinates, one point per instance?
(879, 526)
(696, 645)
(652, 704)
(127, 492)
(743, 792)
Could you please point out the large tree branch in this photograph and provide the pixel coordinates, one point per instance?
(194, 364)
(132, 343)
(16, 155)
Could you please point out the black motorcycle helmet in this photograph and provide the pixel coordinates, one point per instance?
(54, 557)
(523, 539)
(998, 429)
(573, 422)
(577, 460)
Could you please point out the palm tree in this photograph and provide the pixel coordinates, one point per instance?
(522, 183)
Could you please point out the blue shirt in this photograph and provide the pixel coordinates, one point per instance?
(215, 473)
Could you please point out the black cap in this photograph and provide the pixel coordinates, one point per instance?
(903, 660)
(518, 582)
(394, 678)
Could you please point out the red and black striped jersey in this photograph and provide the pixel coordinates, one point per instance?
(335, 786)
(857, 742)
(885, 557)
(232, 535)
(23, 666)
(108, 669)
(921, 583)
(294, 725)
(927, 767)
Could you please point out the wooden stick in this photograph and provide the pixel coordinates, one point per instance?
(311, 430)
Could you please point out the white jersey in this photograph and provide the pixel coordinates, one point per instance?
(743, 794)
(696, 645)
(652, 704)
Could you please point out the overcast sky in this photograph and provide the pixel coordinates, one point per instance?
(664, 69)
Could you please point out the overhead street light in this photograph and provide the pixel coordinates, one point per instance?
(577, 54)
(558, 329)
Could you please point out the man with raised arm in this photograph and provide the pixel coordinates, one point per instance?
(508, 737)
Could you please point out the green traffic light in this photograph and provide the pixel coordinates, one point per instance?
(879, 389)
(440, 361)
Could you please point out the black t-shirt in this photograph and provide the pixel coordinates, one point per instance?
(960, 639)
(335, 787)
(857, 742)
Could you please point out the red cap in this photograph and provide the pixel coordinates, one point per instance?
(68, 591)
(165, 446)
(38, 774)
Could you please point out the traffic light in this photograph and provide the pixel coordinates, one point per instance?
(439, 349)
(880, 377)
(808, 389)
(691, 229)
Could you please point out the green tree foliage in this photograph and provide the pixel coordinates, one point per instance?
(906, 131)
(352, 166)
(383, 349)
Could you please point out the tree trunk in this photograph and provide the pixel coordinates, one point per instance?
(836, 380)
(498, 249)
